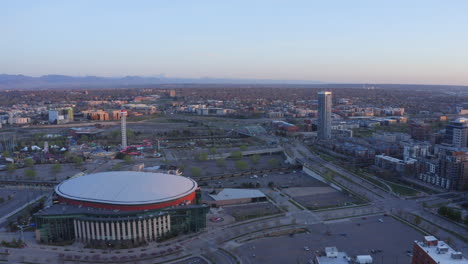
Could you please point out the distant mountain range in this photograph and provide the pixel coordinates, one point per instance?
(10, 82)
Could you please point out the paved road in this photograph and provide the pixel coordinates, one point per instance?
(383, 200)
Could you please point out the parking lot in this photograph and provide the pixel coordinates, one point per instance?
(319, 197)
(44, 172)
(285, 179)
(18, 197)
(390, 237)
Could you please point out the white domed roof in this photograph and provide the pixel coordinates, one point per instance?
(126, 187)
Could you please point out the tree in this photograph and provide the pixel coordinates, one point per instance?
(77, 160)
(30, 173)
(56, 168)
(243, 148)
(417, 220)
(29, 162)
(213, 150)
(255, 159)
(242, 165)
(11, 167)
(196, 171)
(202, 156)
(6, 154)
(271, 184)
(236, 155)
(181, 167)
(220, 162)
(130, 133)
(127, 158)
(273, 162)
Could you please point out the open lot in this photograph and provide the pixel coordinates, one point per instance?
(318, 197)
(291, 178)
(213, 167)
(44, 172)
(391, 236)
(248, 211)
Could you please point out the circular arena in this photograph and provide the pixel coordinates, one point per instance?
(127, 190)
(121, 208)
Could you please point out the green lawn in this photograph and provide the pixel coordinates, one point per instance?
(402, 190)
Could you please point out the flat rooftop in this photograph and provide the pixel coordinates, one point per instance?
(441, 258)
(231, 194)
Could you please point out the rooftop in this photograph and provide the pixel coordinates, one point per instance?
(442, 253)
(126, 187)
(230, 194)
(339, 258)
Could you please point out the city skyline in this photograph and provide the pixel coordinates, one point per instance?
(360, 42)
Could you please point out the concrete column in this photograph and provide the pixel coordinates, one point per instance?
(77, 229)
(74, 227)
(150, 229)
(113, 230)
(108, 236)
(155, 229)
(117, 226)
(96, 228)
(103, 231)
(93, 233)
(134, 229)
(160, 225)
(164, 224)
(129, 230)
(83, 230)
(122, 227)
(168, 222)
(140, 233)
(145, 231)
(88, 231)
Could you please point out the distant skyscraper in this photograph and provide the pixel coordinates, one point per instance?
(324, 115)
(123, 119)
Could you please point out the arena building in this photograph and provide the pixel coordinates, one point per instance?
(121, 208)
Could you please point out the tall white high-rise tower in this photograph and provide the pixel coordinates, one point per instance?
(123, 127)
(324, 115)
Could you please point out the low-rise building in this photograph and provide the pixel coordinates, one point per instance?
(229, 196)
(434, 251)
(331, 256)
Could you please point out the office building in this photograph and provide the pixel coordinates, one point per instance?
(53, 116)
(324, 115)
(123, 128)
(456, 133)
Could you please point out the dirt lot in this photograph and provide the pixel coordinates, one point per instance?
(249, 211)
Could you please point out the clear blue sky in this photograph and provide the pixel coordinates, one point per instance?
(395, 41)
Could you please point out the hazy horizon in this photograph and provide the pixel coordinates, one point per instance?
(398, 42)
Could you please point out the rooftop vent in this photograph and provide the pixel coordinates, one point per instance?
(457, 255)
